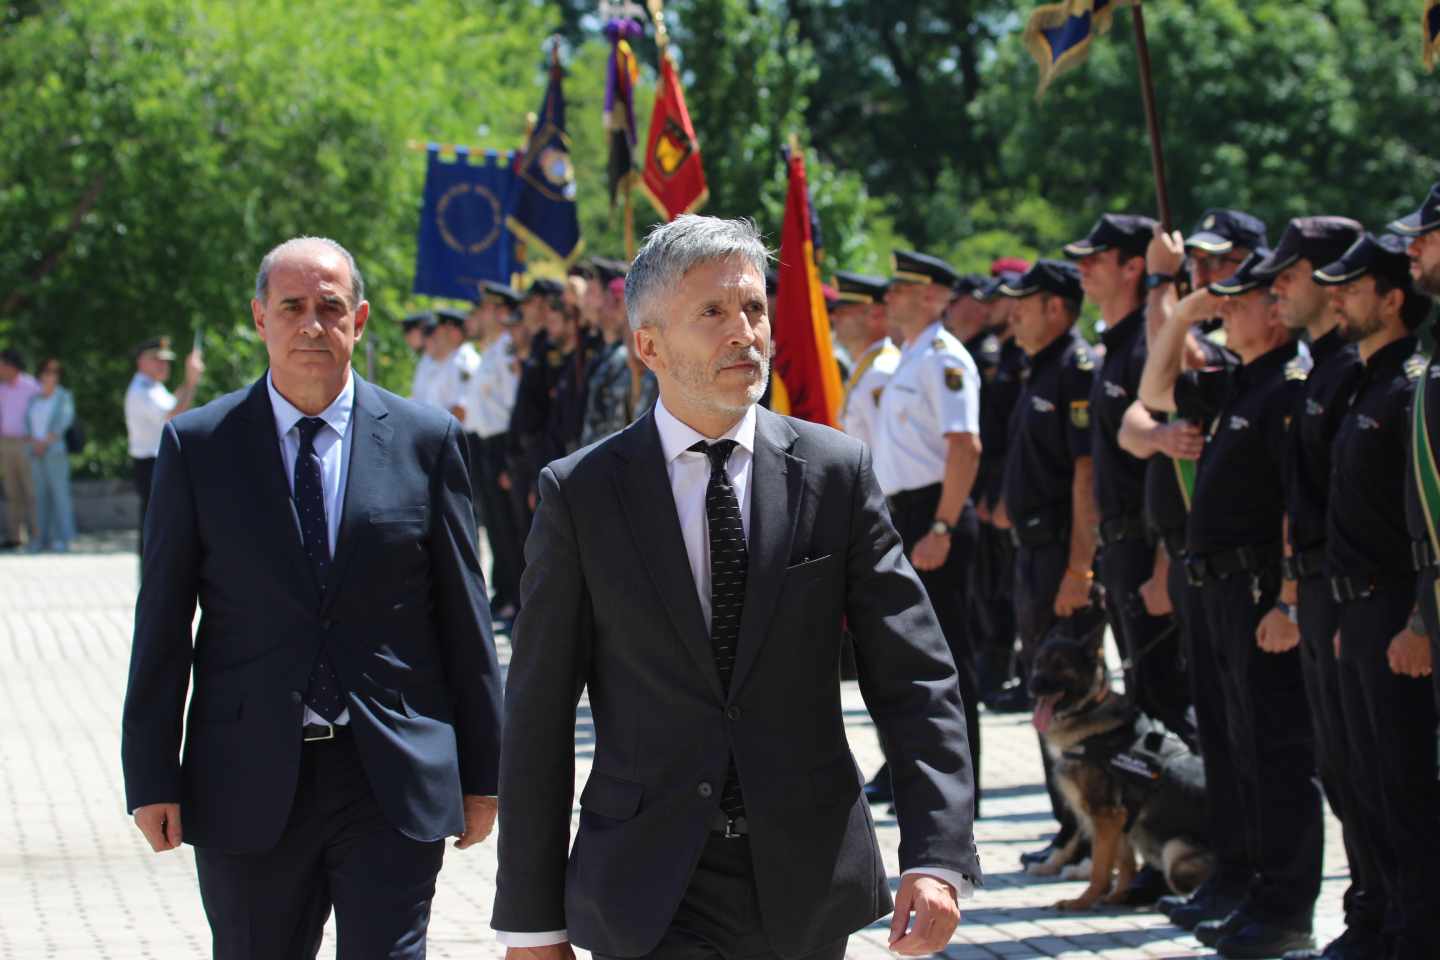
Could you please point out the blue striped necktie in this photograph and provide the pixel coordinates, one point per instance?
(323, 693)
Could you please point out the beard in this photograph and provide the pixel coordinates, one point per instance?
(1429, 281)
(699, 381)
(1355, 330)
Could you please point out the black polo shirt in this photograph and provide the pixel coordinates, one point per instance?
(1239, 482)
(1049, 429)
(1003, 367)
(1318, 412)
(1368, 537)
(1119, 477)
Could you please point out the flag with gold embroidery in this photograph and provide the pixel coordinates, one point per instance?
(622, 71)
(673, 175)
(1430, 24)
(1059, 34)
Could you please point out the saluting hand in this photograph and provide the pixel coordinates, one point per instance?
(480, 815)
(1165, 253)
(936, 910)
(1409, 654)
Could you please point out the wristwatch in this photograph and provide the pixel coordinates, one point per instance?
(941, 529)
(1288, 611)
(1154, 281)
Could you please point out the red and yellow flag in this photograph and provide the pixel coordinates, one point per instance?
(673, 177)
(805, 370)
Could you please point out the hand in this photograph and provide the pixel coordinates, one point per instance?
(1074, 594)
(553, 951)
(930, 552)
(160, 822)
(531, 501)
(1276, 634)
(937, 912)
(1166, 252)
(458, 412)
(1155, 594)
(503, 479)
(479, 820)
(982, 511)
(1409, 654)
(1000, 516)
(194, 367)
(1179, 440)
(40, 446)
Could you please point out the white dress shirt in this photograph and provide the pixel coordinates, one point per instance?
(689, 474)
(491, 396)
(332, 445)
(147, 409)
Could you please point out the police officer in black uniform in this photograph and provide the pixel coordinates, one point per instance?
(1388, 709)
(540, 373)
(1048, 498)
(1233, 553)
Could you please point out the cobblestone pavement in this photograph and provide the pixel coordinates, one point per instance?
(76, 879)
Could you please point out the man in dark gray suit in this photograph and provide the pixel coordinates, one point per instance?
(694, 572)
(345, 705)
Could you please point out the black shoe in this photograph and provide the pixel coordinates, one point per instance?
(1169, 904)
(1212, 932)
(1013, 697)
(1034, 857)
(1353, 944)
(1202, 907)
(1148, 887)
(1260, 940)
(879, 790)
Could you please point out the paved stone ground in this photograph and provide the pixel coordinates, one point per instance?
(76, 879)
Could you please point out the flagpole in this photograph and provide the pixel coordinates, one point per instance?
(1152, 117)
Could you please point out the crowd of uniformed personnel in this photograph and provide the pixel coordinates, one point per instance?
(1237, 471)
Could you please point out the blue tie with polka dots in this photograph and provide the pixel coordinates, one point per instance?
(323, 695)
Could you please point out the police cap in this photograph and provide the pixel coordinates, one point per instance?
(1248, 277)
(544, 287)
(607, 269)
(1222, 230)
(1127, 232)
(968, 283)
(990, 289)
(420, 319)
(1047, 276)
(1320, 240)
(450, 316)
(859, 287)
(1422, 221)
(503, 294)
(159, 346)
(912, 267)
(1381, 257)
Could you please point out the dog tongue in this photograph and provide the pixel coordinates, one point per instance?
(1044, 713)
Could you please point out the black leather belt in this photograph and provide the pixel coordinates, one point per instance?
(1348, 589)
(1203, 569)
(1117, 529)
(1422, 555)
(728, 828)
(1305, 564)
(316, 732)
(1039, 532)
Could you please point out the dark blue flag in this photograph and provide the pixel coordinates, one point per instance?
(463, 238)
(1058, 35)
(544, 213)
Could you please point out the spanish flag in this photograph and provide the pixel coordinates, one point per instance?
(1430, 23)
(805, 370)
(1059, 34)
(673, 177)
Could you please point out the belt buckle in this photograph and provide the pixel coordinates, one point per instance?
(328, 735)
(730, 833)
(1195, 571)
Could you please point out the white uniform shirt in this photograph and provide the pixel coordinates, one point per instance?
(867, 382)
(491, 391)
(934, 391)
(689, 475)
(147, 409)
(422, 386)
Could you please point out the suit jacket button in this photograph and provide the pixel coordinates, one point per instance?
(733, 713)
(705, 790)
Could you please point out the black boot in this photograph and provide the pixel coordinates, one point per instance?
(1354, 944)
(1205, 904)
(1261, 940)
(879, 790)
(1146, 889)
(1212, 932)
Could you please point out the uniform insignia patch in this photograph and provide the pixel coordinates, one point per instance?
(1295, 370)
(954, 378)
(1209, 223)
(1080, 414)
(1041, 405)
(937, 344)
(1314, 408)
(1114, 390)
(1239, 423)
(1415, 366)
(1367, 423)
(1084, 360)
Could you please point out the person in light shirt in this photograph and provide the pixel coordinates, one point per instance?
(149, 406)
(16, 389)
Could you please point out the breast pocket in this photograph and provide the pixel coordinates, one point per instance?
(399, 525)
(808, 572)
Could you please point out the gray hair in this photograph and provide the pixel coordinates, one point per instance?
(673, 249)
(267, 263)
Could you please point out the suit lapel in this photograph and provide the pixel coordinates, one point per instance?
(369, 457)
(777, 483)
(278, 523)
(649, 505)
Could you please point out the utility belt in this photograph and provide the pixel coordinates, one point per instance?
(1041, 530)
(1348, 589)
(1117, 529)
(1207, 568)
(1305, 564)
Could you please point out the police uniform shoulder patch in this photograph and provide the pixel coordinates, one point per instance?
(954, 378)
(1415, 366)
(1295, 370)
(1080, 414)
(938, 344)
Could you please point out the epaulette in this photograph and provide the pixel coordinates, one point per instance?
(1295, 370)
(1415, 366)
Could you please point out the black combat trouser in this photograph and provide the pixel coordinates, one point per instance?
(1223, 796)
(500, 530)
(1155, 678)
(913, 512)
(1390, 722)
(1319, 617)
(991, 607)
(1271, 748)
(1428, 599)
(1038, 572)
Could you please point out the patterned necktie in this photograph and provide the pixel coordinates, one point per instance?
(729, 564)
(323, 693)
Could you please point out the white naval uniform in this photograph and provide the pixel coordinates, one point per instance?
(422, 385)
(864, 389)
(490, 392)
(147, 410)
(934, 391)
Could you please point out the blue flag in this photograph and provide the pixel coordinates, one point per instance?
(1059, 34)
(544, 213)
(463, 238)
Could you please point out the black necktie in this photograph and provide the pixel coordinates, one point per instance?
(323, 694)
(729, 563)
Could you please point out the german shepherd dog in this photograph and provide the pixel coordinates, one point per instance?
(1133, 786)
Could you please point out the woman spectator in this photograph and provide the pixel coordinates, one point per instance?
(48, 416)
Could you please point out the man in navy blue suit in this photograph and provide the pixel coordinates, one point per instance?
(344, 709)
